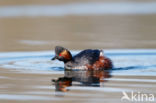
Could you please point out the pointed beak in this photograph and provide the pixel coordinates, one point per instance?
(55, 57)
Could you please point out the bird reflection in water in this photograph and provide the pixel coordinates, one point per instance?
(93, 78)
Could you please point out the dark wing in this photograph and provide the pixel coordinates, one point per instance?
(87, 57)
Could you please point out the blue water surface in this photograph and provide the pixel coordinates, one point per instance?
(80, 8)
(126, 62)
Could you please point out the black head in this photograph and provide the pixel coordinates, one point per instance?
(62, 54)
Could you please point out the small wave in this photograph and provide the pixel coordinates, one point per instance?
(57, 68)
(135, 67)
(138, 61)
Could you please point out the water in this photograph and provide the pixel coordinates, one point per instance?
(79, 9)
(29, 31)
(123, 60)
(32, 76)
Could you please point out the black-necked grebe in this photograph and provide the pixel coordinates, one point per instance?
(85, 60)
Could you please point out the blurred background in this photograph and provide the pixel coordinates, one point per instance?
(34, 25)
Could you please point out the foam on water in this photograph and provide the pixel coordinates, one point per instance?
(126, 62)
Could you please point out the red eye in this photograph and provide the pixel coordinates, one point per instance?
(60, 54)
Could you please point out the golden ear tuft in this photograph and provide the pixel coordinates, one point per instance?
(66, 54)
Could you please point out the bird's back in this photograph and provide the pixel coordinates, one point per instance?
(86, 57)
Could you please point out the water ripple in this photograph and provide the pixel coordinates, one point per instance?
(133, 61)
